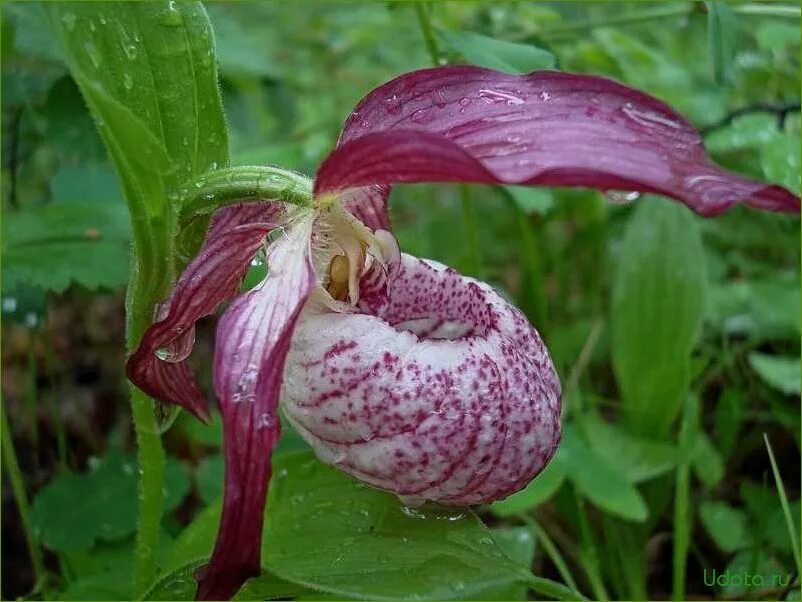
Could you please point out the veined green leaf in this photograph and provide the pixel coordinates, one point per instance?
(658, 306)
(109, 513)
(55, 245)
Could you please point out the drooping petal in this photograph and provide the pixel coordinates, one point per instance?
(464, 123)
(459, 420)
(253, 337)
(212, 277)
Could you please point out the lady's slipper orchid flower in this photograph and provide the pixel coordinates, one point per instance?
(398, 370)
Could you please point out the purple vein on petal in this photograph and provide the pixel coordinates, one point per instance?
(211, 278)
(253, 338)
(464, 123)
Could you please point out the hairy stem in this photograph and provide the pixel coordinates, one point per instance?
(232, 185)
(18, 490)
(150, 453)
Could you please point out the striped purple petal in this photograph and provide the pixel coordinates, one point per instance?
(158, 365)
(464, 123)
(253, 337)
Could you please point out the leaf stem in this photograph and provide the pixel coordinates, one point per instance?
(552, 552)
(150, 453)
(789, 521)
(473, 264)
(18, 489)
(682, 525)
(751, 9)
(240, 184)
(428, 32)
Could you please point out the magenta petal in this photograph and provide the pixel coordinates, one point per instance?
(253, 337)
(463, 123)
(210, 279)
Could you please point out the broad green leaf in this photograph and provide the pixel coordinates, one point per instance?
(761, 308)
(55, 245)
(779, 372)
(510, 57)
(725, 524)
(637, 458)
(707, 464)
(535, 493)
(775, 35)
(149, 76)
(600, 481)
(531, 200)
(66, 516)
(780, 161)
(657, 310)
(519, 544)
(210, 477)
(375, 548)
(750, 131)
(722, 36)
(148, 73)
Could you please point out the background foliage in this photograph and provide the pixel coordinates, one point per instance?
(676, 338)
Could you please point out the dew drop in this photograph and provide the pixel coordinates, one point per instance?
(171, 17)
(69, 21)
(544, 96)
(9, 304)
(130, 51)
(393, 104)
(94, 55)
(622, 197)
(128, 82)
(423, 115)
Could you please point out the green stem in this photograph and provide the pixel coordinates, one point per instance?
(18, 489)
(150, 453)
(240, 184)
(552, 552)
(789, 521)
(473, 264)
(428, 32)
(587, 551)
(682, 524)
(667, 12)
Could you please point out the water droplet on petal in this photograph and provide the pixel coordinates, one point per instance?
(544, 96)
(423, 115)
(393, 104)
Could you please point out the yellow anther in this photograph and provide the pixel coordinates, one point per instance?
(338, 278)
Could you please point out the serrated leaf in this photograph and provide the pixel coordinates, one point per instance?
(725, 524)
(600, 481)
(722, 40)
(510, 57)
(538, 491)
(780, 372)
(64, 517)
(59, 244)
(658, 306)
